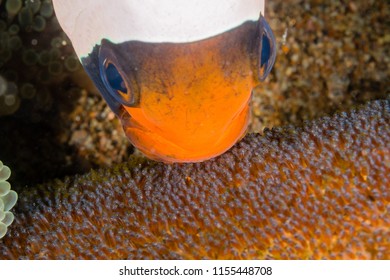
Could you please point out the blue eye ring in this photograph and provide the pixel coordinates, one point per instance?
(118, 85)
(115, 79)
(267, 50)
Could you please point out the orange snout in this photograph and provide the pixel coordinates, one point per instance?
(194, 121)
(193, 98)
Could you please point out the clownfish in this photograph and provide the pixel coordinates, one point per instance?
(178, 74)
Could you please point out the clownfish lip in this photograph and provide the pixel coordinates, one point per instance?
(138, 134)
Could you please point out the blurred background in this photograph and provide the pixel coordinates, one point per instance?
(332, 56)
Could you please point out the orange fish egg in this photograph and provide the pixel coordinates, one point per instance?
(184, 100)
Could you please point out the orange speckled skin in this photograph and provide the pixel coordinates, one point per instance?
(312, 192)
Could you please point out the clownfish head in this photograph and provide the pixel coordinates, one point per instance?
(179, 75)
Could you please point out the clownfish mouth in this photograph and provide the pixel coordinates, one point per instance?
(185, 147)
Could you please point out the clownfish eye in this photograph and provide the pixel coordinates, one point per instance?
(116, 84)
(267, 49)
(115, 79)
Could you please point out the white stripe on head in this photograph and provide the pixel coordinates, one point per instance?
(87, 22)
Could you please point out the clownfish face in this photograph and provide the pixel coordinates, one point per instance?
(184, 100)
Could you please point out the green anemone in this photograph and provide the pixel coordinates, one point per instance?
(34, 5)
(39, 23)
(13, 29)
(3, 25)
(28, 91)
(44, 57)
(3, 88)
(15, 43)
(55, 68)
(9, 99)
(25, 17)
(13, 6)
(72, 63)
(46, 9)
(8, 200)
(30, 57)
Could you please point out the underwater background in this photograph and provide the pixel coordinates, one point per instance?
(312, 187)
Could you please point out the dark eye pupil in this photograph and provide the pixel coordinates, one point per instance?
(265, 51)
(115, 79)
(268, 49)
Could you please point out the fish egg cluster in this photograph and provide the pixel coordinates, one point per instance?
(319, 191)
(8, 199)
